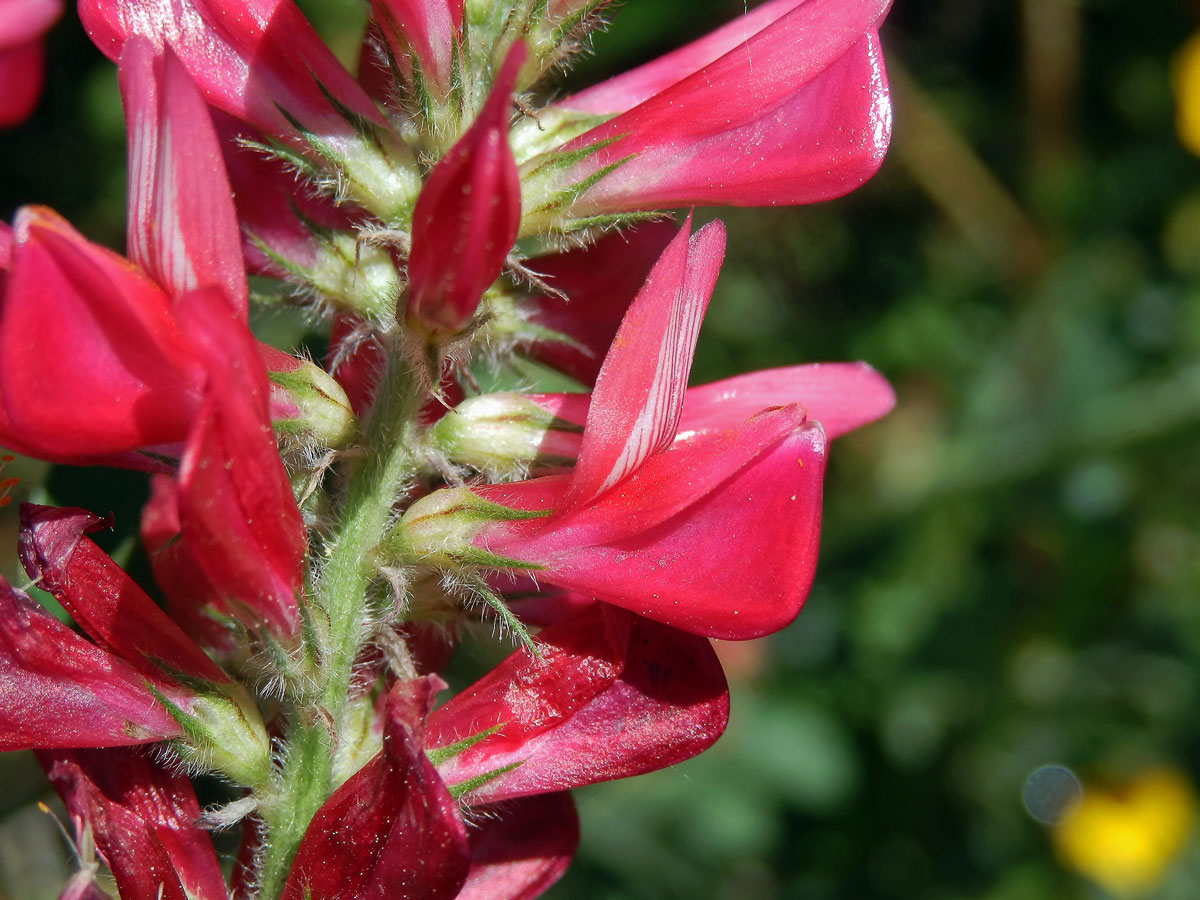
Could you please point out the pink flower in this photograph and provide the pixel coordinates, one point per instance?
(467, 215)
(611, 696)
(22, 25)
(716, 534)
(788, 104)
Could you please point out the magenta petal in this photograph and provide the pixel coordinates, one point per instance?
(841, 396)
(615, 696)
(248, 57)
(191, 599)
(639, 392)
(667, 484)
(627, 90)
(182, 228)
(101, 598)
(717, 535)
(143, 819)
(468, 211)
(22, 21)
(426, 29)
(599, 281)
(391, 832)
(521, 847)
(91, 359)
(59, 690)
(238, 517)
(796, 114)
(21, 73)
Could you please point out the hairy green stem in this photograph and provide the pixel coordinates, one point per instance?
(339, 603)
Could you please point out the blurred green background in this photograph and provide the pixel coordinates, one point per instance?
(1010, 575)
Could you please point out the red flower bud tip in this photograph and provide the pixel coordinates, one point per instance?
(467, 215)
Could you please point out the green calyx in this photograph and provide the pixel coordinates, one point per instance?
(223, 732)
(439, 530)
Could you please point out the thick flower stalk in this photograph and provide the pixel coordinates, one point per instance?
(323, 534)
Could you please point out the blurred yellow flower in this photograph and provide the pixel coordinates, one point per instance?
(1187, 93)
(1124, 837)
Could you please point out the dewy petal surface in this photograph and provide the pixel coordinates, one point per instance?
(182, 228)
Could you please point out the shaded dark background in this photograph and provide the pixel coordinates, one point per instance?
(1010, 575)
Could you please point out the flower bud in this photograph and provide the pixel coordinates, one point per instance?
(466, 217)
(307, 401)
(505, 435)
(224, 731)
(439, 530)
